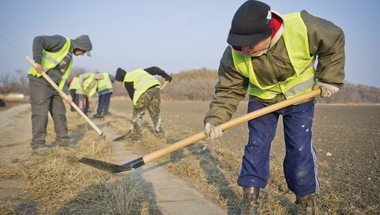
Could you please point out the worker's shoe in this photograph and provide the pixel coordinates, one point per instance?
(98, 116)
(250, 204)
(134, 139)
(69, 146)
(303, 205)
(42, 149)
(160, 135)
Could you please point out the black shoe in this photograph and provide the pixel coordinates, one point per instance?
(98, 116)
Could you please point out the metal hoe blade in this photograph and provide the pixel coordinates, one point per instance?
(122, 137)
(109, 167)
(113, 168)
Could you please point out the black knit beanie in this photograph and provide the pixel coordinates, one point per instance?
(252, 23)
(120, 74)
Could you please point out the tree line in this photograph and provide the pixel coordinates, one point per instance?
(194, 85)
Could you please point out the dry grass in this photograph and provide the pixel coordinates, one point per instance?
(7, 98)
(58, 184)
(12, 101)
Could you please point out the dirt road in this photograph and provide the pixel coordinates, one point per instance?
(15, 131)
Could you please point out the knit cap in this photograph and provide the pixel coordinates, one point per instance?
(251, 23)
(120, 74)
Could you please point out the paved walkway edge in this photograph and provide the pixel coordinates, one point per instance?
(172, 195)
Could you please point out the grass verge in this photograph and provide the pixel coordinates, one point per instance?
(57, 184)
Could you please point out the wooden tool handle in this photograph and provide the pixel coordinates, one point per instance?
(88, 97)
(164, 85)
(230, 124)
(48, 79)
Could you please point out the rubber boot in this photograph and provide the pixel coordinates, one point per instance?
(303, 205)
(250, 204)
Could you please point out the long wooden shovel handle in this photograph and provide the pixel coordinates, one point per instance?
(230, 124)
(66, 97)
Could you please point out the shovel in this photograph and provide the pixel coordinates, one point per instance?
(48, 79)
(114, 168)
(130, 130)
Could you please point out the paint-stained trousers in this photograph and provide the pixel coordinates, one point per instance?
(150, 100)
(300, 164)
(44, 98)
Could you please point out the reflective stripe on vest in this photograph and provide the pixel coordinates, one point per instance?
(296, 43)
(50, 60)
(105, 83)
(142, 81)
(74, 84)
(87, 83)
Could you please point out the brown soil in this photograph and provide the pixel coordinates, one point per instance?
(350, 133)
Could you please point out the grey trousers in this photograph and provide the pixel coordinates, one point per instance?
(44, 98)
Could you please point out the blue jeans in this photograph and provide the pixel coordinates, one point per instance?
(104, 104)
(300, 163)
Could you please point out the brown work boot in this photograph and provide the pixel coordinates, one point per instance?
(303, 205)
(250, 204)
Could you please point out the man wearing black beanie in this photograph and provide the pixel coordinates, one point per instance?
(272, 58)
(144, 90)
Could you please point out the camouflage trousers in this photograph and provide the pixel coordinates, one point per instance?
(150, 100)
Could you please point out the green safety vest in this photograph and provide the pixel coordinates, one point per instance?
(296, 42)
(74, 84)
(105, 83)
(50, 60)
(141, 82)
(87, 83)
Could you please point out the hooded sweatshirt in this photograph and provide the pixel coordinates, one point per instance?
(54, 44)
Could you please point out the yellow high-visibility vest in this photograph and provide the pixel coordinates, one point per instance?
(141, 82)
(50, 60)
(296, 43)
(105, 83)
(87, 83)
(74, 84)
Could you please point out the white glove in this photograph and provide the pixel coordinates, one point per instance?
(327, 89)
(214, 133)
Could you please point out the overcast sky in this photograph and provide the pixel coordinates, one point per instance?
(175, 35)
